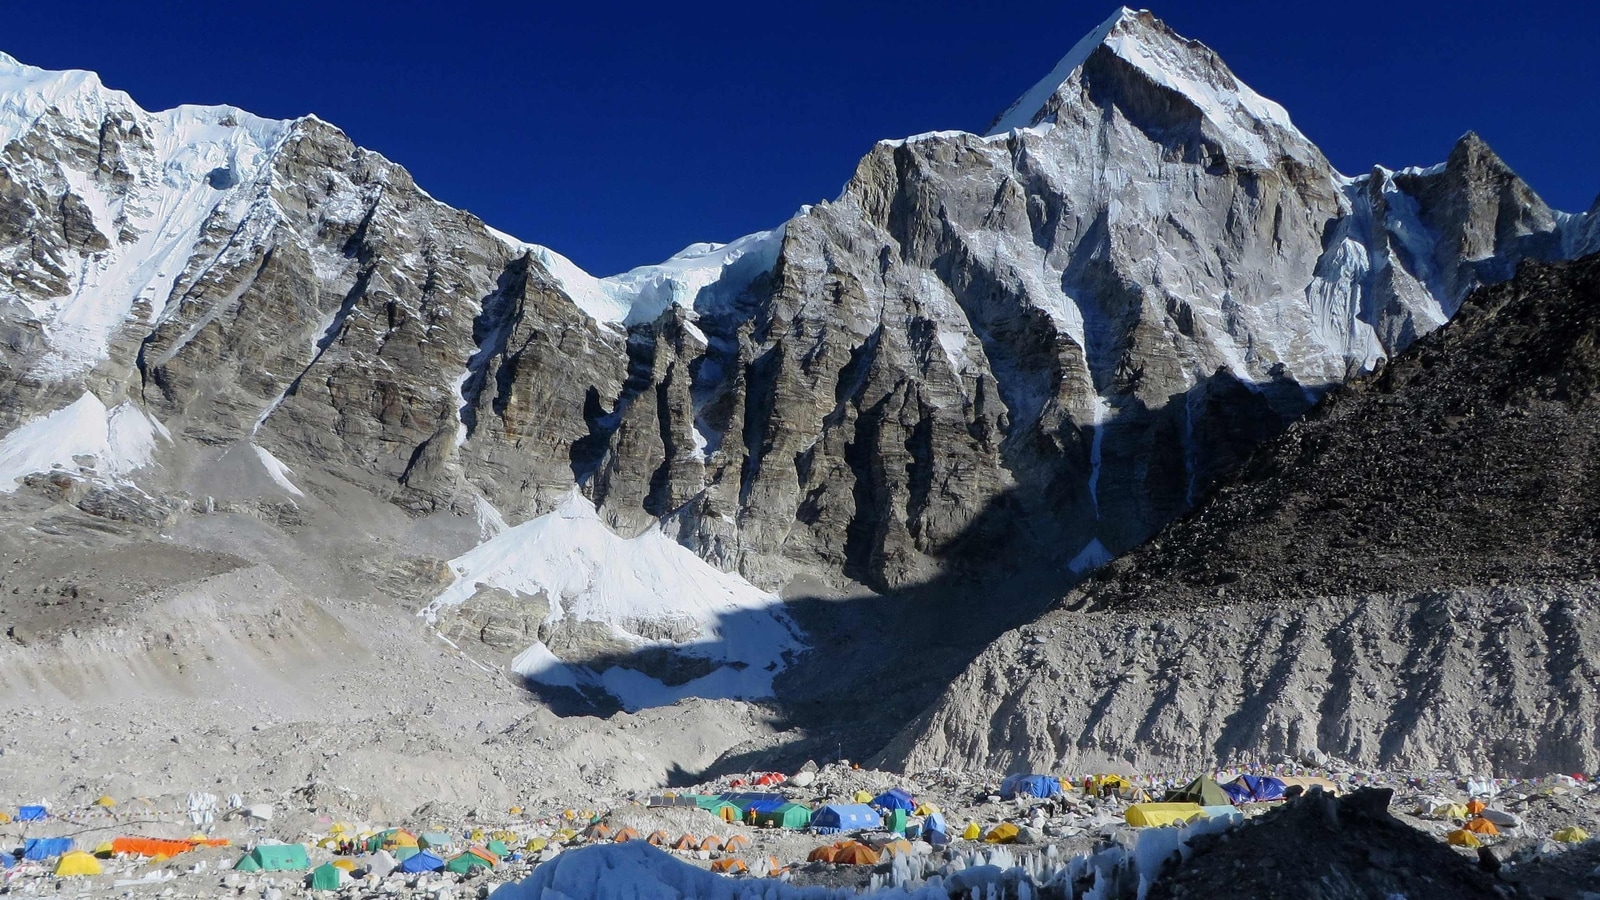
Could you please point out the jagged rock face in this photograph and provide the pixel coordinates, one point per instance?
(1035, 345)
(1399, 579)
(1077, 325)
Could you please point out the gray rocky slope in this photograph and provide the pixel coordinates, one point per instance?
(1049, 338)
(1405, 577)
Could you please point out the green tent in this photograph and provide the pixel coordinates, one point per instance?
(499, 848)
(789, 815)
(325, 877)
(375, 843)
(432, 839)
(404, 853)
(896, 821)
(1202, 790)
(280, 857)
(247, 863)
(466, 862)
(716, 809)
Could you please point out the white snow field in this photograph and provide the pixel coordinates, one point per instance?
(639, 587)
(121, 440)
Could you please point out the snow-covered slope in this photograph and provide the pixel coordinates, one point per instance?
(145, 211)
(120, 442)
(704, 277)
(647, 591)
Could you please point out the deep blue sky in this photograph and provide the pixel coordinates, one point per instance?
(618, 133)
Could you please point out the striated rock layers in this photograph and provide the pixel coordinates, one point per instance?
(1404, 578)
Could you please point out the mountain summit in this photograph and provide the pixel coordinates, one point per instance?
(1016, 353)
(1186, 68)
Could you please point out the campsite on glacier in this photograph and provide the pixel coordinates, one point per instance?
(1118, 501)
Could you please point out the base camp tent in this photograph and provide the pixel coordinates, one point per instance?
(1203, 791)
(78, 863)
(1154, 815)
(475, 858)
(1004, 833)
(789, 815)
(422, 862)
(1254, 789)
(276, 858)
(45, 848)
(893, 799)
(836, 817)
(1030, 786)
(31, 814)
(325, 877)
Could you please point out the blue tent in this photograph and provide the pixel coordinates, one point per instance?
(935, 830)
(761, 806)
(1030, 786)
(422, 862)
(46, 848)
(893, 799)
(31, 814)
(1254, 789)
(837, 817)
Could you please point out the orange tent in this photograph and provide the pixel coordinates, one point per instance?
(658, 839)
(1475, 806)
(898, 845)
(1480, 825)
(139, 846)
(769, 867)
(853, 853)
(712, 842)
(735, 843)
(823, 854)
(730, 866)
(625, 835)
(597, 832)
(686, 842)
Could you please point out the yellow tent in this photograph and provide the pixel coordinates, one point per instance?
(926, 809)
(1572, 834)
(534, 845)
(863, 797)
(1463, 838)
(972, 833)
(1153, 815)
(1004, 833)
(105, 801)
(345, 863)
(105, 850)
(78, 863)
(516, 810)
(5, 817)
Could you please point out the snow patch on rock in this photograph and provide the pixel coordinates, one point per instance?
(640, 588)
(121, 440)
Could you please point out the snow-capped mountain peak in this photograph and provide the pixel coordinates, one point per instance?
(1171, 61)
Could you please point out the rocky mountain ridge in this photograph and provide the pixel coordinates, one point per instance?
(1403, 577)
(1028, 348)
